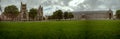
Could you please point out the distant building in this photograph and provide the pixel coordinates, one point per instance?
(93, 15)
(39, 14)
(0, 9)
(24, 15)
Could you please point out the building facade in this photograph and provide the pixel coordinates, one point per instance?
(24, 15)
(39, 14)
(93, 15)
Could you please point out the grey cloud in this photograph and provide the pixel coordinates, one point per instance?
(94, 4)
(52, 5)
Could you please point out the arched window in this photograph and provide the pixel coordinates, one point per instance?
(110, 15)
(24, 16)
(83, 16)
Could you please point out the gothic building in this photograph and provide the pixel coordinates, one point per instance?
(0, 9)
(24, 15)
(39, 14)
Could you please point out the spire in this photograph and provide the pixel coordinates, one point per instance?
(40, 6)
(110, 10)
(0, 9)
(21, 3)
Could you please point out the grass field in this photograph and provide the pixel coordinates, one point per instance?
(90, 29)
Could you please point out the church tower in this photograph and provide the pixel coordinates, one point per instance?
(0, 6)
(110, 14)
(0, 9)
(24, 14)
(39, 13)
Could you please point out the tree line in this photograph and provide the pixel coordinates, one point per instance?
(117, 14)
(59, 14)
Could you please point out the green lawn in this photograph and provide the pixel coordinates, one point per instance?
(90, 29)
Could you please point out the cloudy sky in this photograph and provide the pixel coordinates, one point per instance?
(65, 5)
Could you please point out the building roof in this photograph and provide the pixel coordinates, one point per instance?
(91, 12)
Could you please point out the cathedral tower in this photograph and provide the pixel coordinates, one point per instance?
(24, 16)
(110, 14)
(39, 13)
(0, 9)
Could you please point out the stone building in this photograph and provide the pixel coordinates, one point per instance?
(39, 14)
(24, 15)
(93, 15)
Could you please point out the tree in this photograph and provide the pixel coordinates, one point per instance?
(58, 14)
(54, 16)
(11, 11)
(118, 14)
(65, 15)
(70, 15)
(32, 13)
